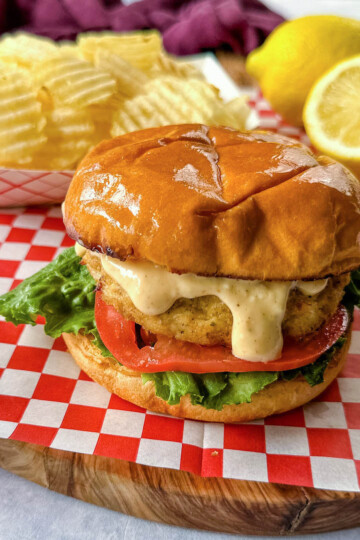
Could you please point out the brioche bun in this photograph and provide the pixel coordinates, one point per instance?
(214, 201)
(278, 397)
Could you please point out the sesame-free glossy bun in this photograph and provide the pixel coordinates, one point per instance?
(275, 398)
(214, 201)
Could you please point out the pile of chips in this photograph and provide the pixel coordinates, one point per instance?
(57, 100)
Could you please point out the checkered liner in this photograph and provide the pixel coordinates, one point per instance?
(46, 399)
(19, 187)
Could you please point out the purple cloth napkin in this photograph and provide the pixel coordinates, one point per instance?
(188, 26)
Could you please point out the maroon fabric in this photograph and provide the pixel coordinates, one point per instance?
(188, 26)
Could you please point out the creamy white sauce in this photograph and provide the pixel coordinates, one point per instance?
(257, 307)
(310, 288)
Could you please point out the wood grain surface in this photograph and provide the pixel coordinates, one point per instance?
(183, 499)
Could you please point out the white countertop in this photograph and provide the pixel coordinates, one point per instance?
(28, 511)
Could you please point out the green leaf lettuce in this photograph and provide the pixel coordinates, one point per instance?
(211, 390)
(352, 291)
(63, 292)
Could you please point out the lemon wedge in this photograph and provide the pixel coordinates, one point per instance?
(332, 113)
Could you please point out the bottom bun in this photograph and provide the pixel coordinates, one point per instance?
(277, 397)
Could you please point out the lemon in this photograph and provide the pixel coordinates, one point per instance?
(296, 53)
(332, 113)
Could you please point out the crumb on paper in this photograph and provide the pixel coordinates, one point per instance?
(214, 453)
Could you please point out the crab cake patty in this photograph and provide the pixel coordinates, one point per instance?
(208, 321)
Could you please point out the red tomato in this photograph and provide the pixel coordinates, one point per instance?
(169, 354)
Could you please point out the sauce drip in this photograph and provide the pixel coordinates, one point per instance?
(257, 307)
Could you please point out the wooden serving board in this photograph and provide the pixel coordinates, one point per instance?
(180, 498)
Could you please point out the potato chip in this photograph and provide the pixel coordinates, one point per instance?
(198, 96)
(74, 82)
(102, 117)
(44, 97)
(171, 100)
(167, 100)
(59, 99)
(130, 79)
(233, 114)
(138, 113)
(141, 49)
(21, 119)
(170, 65)
(68, 48)
(23, 49)
(69, 136)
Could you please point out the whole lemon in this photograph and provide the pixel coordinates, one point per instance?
(295, 54)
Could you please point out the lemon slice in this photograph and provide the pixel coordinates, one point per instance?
(332, 113)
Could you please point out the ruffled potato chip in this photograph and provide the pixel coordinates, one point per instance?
(57, 100)
(21, 120)
(233, 113)
(69, 135)
(24, 49)
(74, 82)
(141, 49)
(169, 65)
(167, 100)
(130, 79)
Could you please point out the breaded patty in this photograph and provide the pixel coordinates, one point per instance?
(208, 321)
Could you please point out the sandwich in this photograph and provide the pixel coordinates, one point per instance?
(214, 275)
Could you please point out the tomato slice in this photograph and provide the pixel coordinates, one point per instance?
(169, 354)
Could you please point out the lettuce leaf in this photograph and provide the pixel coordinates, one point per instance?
(314, 373)
(211, 390)
(352, 291)
(214, 390)
(63, 292)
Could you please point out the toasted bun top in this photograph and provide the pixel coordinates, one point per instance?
(214, 201)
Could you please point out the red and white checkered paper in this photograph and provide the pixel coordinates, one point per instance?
(46, 399)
